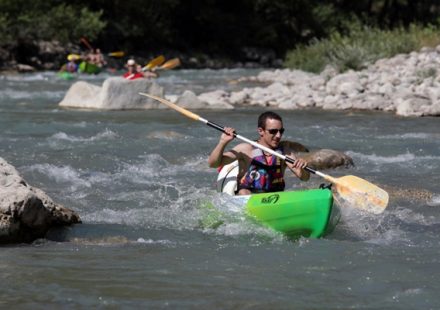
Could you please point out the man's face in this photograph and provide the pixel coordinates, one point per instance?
(272, 133)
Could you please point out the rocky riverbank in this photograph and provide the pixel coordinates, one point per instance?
(407, 84)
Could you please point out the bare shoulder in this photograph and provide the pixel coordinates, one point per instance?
(243, 147)
(242, 150)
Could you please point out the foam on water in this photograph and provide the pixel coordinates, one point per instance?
(151, 241)
(63, 174)
(383, 159)
(394, 226)
(435, 201)
(106, 134)
(29, 95)
(225, 215)
(412, 135)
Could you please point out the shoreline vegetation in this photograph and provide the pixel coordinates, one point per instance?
(300, 34)
(360, 47)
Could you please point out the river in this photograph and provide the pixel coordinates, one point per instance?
(137, 179)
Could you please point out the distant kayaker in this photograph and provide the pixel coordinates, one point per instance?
(96, 58)
(71, 66)
(133, 72)
(259, 171)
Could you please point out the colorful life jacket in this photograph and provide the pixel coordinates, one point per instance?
(262, 177)
(71, 67)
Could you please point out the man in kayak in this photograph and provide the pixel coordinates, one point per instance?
(259, 171)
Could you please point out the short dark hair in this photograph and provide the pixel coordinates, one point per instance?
(267, 115)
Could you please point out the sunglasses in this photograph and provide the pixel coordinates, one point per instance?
(274, 131)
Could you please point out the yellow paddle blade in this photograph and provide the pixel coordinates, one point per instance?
(155, 62)
(71, 57)
(117, 54)
(170, 64)
(361, 194)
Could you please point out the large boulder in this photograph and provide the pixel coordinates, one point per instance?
(26, 212)
(116, 93)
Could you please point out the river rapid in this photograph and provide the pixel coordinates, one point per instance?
(138, 178)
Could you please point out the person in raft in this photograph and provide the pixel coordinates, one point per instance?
(133, 72)
(259, 171)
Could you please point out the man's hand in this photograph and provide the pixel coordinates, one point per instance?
(299, 164)
(298, 168)
(228, 135)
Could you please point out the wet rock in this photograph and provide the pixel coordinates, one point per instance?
(411, 194)
(190, 101)
(327, 159)
(26, 212)
(116, 93)
(320, 159)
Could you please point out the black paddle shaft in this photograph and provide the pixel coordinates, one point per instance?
(287, 158)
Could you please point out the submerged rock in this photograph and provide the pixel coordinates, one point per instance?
(26, 212)
(116, 93)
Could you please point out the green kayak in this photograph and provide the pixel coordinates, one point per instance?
(307, 213)
(66, 75)
(86, 67)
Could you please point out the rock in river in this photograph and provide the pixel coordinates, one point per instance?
(26, 212)
(116, 93)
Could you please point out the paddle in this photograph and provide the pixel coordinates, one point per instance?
(116, 54)
(86, 43)
(170, 64)
(154, 63)
(73, 57)
(355, 191)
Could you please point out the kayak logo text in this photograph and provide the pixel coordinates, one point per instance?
(270, 199)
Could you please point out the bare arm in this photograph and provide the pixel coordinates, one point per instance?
(218, 156)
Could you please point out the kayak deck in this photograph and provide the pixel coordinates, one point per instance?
(296, 213)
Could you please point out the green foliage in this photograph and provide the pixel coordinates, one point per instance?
(361, 46)
(46, 20)
(67, 23)
(224, 28)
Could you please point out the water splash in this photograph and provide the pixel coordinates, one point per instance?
(435, 201)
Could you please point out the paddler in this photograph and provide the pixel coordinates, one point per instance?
(259, 171)
(71, 66)
(135, 71)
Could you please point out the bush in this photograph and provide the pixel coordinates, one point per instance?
(362, 45)
(46, 20)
